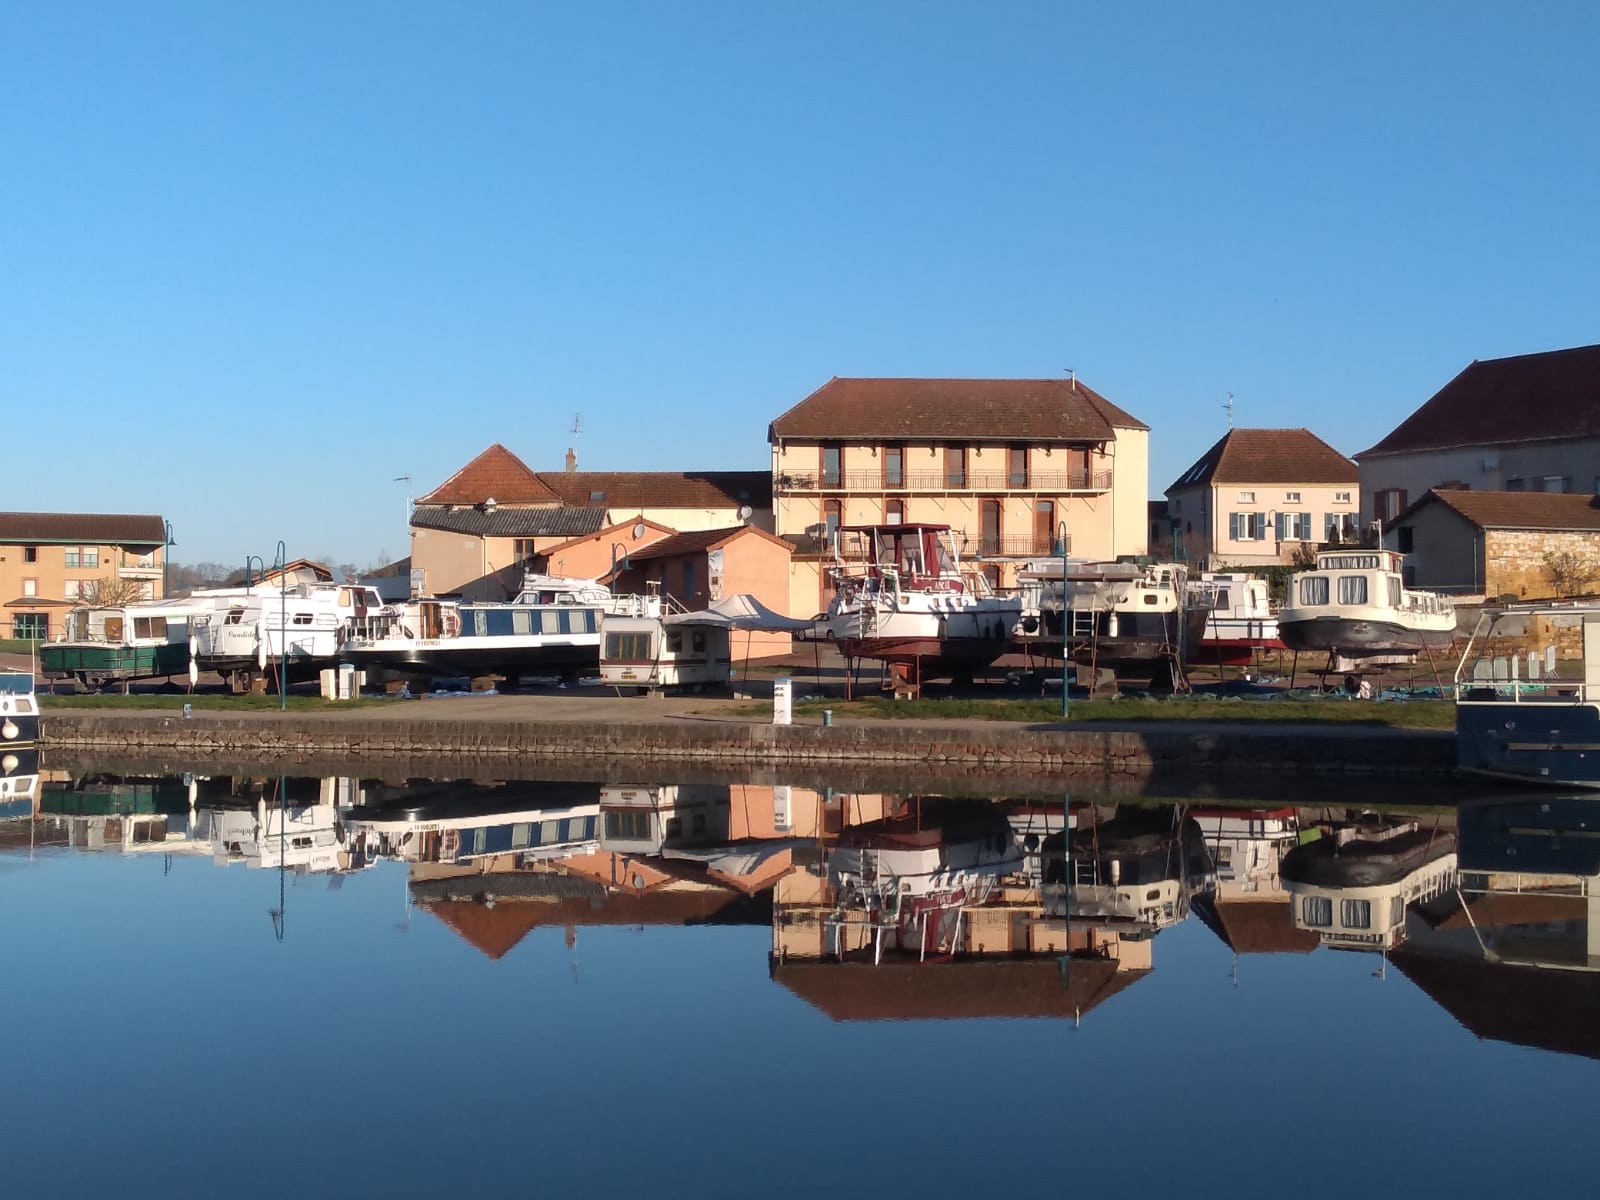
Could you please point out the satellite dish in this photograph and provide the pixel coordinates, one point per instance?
(745, 512)
(638, 531)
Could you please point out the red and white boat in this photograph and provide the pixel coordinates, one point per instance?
(912, 602)
(1242, 620)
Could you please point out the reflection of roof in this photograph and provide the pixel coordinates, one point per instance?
(525, 901)
(910, 991)
(1500, 909)
(1527, 1006)
(1256, 926)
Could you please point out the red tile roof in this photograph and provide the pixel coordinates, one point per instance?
(1269, 456)
(1526, 398)
(934, 410)
(495, 473)
(661, 489)
(103, 529)
(701, 539)
(974, 987)
(1517, 510)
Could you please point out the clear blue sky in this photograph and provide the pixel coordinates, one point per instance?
(258, 260)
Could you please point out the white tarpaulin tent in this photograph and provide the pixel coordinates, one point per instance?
(740, 612)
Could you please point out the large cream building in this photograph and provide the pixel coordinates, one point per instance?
(1004, 462)
(50, 562)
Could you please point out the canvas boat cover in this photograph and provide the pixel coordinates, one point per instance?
(740, 612)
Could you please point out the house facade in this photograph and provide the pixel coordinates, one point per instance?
(1530, 423)
(697, 569)
(1532, 545)
(1259, 495)
(1004, 462)
(476, 534)
(50, 562)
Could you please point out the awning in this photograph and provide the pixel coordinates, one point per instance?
(40, 602)
(740, 612)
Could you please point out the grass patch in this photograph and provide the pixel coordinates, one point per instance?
(207, 702)
(1411, 714)
(17, 646)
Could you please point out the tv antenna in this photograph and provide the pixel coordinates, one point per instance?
(410, 503)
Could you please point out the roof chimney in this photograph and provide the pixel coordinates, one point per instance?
(572, 460)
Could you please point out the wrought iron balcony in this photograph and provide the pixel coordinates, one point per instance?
(926, 482)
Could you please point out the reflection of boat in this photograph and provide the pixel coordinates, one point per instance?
(1355, 604)
(1528, 695)
(1354, 885)
(19, 711)
(533, 820)
(913, 603)
(19, 782)
(1140, 867)
(303, 839)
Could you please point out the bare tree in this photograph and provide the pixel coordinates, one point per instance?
(108, 593)
(1569, 574)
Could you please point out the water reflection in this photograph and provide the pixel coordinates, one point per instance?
(884, 906)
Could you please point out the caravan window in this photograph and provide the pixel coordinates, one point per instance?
(674, 642)
(1314, 590)
(698, 641)
(1352, 589)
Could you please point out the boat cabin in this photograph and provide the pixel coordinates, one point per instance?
(910, 557)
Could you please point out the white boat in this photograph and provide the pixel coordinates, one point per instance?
(552, 627)
(1126, 616)
(1241, 620)
(1528, 695)
(914, 604)
(1355, 604)
(293, 630)
(119, 643)
(19, 711)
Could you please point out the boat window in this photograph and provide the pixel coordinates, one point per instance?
(521, 622)
(235, 615)
(113, 631)
(1397, 911)
(1355, 914)
(549, 621)
(1314, 590)
(301, 618)
(1394, 592)
(1222, 599)
(1316, 912)
(1151, 598)
(1352, 589)
(150, 627)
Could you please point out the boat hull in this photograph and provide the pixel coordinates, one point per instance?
(421, 659)
(19, 714)
(1325, 863)
(1354, 637)
(100, 662)
(1542, 742)
(932, 656)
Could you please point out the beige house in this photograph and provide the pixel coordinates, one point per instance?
(1530, 423)
(50, 562)
(1258, 495)
(477, 533)
(1006, 463)
(1499, 543)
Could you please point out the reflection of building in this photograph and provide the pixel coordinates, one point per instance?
(1517, 958)
(1355, 885)
(941, 908)
(1249, 908)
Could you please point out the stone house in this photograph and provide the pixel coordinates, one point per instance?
(1496, 543)
(1003, 462)
(1530, 423)
(1258, 495)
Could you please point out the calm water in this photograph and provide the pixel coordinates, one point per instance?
(227, 986)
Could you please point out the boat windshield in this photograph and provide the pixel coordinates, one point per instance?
(1530, 654)
(15, 683)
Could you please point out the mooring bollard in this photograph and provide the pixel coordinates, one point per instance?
(827, 717)
(188, 711)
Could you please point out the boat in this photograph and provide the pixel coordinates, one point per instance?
(1141, 867)
(19, 783)
(1242, 619)
(535, 821)
(1355, 605)
(913, 604)
(122, 643)
(292, 631)
(1128, 617)
(1528, 695)
(1353, 885)
(19, 711)
(551, 627)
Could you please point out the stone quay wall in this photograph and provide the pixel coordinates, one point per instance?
(1140, 750)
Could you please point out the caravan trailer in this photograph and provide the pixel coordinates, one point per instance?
(653, 653)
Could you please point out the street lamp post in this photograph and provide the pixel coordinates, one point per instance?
(283, 627)
(1066, 614)
(166, 553)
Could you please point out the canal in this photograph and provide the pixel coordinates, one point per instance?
(392, 980)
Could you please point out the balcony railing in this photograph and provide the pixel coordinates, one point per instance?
(138, 570)
(1053, 482)
(1016, 547)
